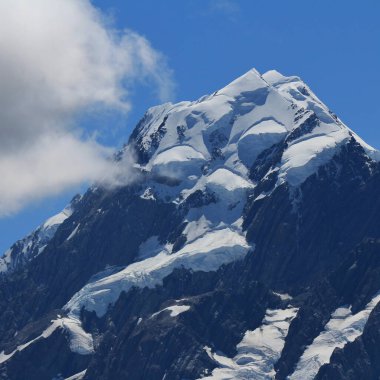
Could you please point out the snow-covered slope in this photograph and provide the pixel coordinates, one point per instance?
(258, 351)
(343, 327)
(208, 148)
(207, 253)
(32, 245)
(80, 341)
(231, 127)
(212, 144)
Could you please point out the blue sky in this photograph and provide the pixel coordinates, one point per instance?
(333, 46)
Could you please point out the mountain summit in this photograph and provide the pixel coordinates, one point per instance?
(245, 248)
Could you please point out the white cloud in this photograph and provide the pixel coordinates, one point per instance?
(65, 161)
(59, 58)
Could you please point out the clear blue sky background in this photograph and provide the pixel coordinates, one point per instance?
(333, 45)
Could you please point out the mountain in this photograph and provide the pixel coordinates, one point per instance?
(32, 245)
(246, 246)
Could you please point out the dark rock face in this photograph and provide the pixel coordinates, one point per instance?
(308, 233)
(135, 140)
(317, 245)
(359, 359)
(150, 344)
(307, 126)
(105, 239)
(313, 314)
(44, 359)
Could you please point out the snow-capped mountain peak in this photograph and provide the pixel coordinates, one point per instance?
(208, 149)
(248, 82)
(233, 126)
(247, 247)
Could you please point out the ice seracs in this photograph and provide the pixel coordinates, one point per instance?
(258, 351)
(206, 253)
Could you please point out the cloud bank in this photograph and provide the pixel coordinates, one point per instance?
(59, 58)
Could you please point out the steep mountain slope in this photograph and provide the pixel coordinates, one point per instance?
(245, 248)
(32, 245)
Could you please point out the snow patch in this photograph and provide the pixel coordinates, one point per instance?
(195, 229)
(178, 161)
(303, 158)
(206, 253)
(58, 218)
(249, 81)
(80, 342)
(73, 233)
(227, 185)
(149, 248)
(258, 351)
(45, 334)
(5, 260)
(224, 179)
(283, 296)
(180, 153)
(174, 310)
(35, 243)
(258, 138)
(343, 327)
(148, 194)
(77, 376)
